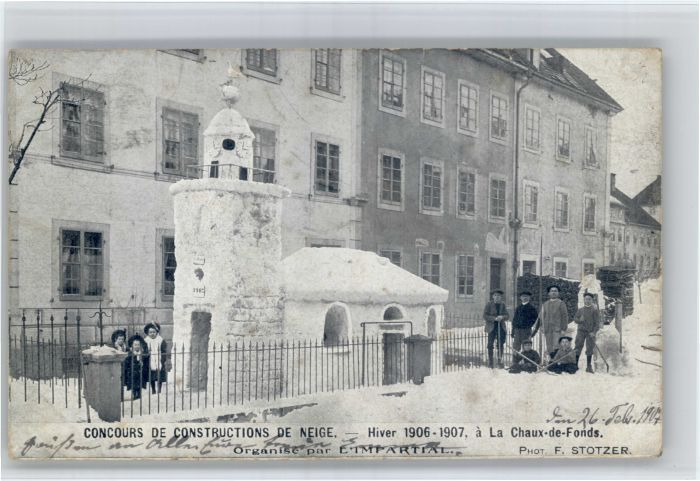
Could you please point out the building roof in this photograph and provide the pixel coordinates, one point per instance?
(634, 212)
(651, 194)
(330, 274)
(557, 69)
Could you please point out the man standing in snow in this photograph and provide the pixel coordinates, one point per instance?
(523, 320)
(554, 318)
(587, 318)
(495, 317)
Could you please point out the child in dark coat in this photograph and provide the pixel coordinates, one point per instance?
(136, 366)
(527, 360)
(563, 358)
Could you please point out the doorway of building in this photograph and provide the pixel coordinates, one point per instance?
(394, 358)
(199, 349)
(497, 273)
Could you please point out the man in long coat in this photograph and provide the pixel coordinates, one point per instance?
(554, 319)
(495, 317)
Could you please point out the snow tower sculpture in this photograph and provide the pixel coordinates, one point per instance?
(228, 246)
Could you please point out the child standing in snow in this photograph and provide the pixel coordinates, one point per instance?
(587, 319)
(158, 363)
(135, 366)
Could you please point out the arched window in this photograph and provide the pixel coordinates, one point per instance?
(432, 323)
(392, 313)
(335, 328)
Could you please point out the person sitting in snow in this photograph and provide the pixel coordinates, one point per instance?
(587, 318)
(528, 359)
(563, 358)
(136, 366)
(495, 317)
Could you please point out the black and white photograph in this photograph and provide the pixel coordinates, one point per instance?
(334, 253)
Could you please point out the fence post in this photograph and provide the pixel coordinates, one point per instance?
(38, 359)
(80, 350)
(24, 353)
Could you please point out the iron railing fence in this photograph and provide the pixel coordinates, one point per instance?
(86, 325)
(239, 373)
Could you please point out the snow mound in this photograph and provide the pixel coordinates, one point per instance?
(354, 276)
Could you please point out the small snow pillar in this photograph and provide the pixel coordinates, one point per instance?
(102, 369)
(419, 349)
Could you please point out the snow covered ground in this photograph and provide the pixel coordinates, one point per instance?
(477, 395)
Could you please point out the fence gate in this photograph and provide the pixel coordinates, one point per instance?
(393, 357)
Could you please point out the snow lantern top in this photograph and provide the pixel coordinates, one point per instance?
(330, 274)
(228, 140)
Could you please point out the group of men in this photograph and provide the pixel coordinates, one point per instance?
(553, 319)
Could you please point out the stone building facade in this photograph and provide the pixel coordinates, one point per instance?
(442, 134)
(91, 218)
(635, 235)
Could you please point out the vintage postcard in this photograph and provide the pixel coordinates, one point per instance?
(334, 253)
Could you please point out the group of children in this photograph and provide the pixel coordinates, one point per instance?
(148, 361)
(553, 319)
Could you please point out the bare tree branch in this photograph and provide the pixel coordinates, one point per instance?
(23, 71)
(47, 99)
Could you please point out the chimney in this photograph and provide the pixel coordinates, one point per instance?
(535, 58)
(612, 181)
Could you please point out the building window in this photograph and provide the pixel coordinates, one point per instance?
(656, 262)
(466, 193)
(263, 60)
(619, 235)
(433, 95)
(391, 179)
(465, 276)
(499, 117)
(264, 153)
(612, 254)
(327, 164)
(588, 268)
(590, 148)
(82, 123)
(327, 69)
(560, 267)
(180, 142)
(627, 239)
(168, 267)
(82, 264)
(393, 83)
(497, 198)
(468, 108)
(392, 254)
(531, 203)
(529, 267)
(564, 139)
(634, 240)
(532, 129)
(634, 259)
(561, 210)
(430, 267)
(589, 213)
(431, 187)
